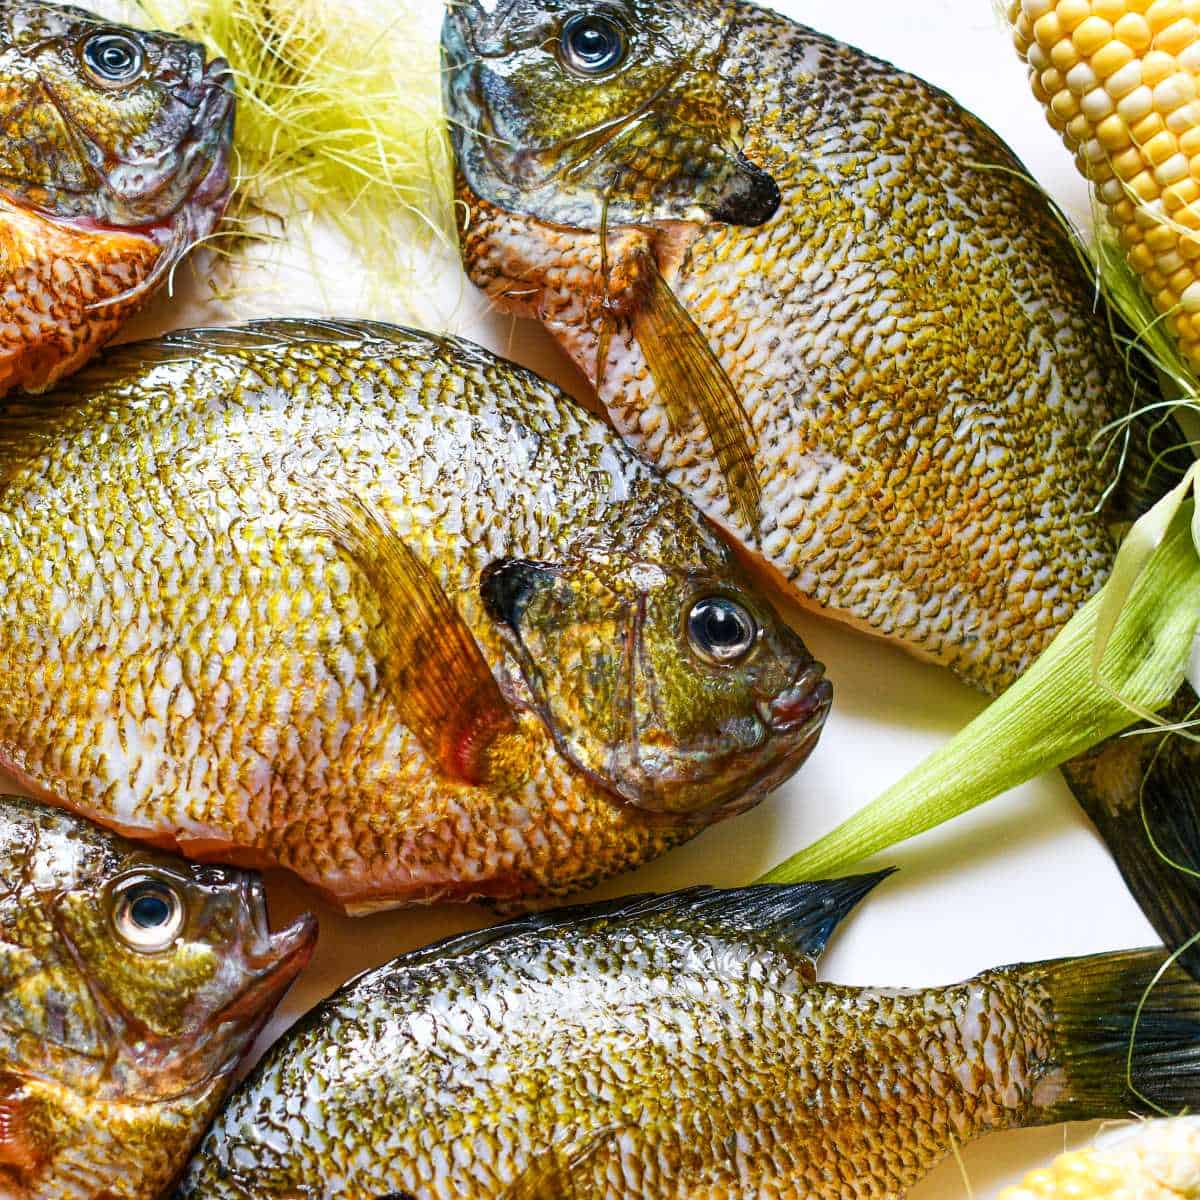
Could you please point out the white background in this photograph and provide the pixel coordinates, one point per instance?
(1023, 878)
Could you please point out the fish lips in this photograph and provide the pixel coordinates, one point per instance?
(273, 963)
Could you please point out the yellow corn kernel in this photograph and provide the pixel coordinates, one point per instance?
(1120, 81)
(1159, 1160)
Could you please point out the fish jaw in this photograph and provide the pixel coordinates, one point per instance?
(70, 284)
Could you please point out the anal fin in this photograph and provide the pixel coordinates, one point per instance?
(691, 381)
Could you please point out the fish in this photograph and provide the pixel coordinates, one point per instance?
(378, 608)
(681, 1047)
(113, 164)
(132, 984)
(833, 308)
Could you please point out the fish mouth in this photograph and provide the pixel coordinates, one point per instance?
(805, 704)
(272, 964)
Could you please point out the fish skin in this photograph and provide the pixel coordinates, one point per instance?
(658, 1048)
(114, 1061)
(188, 656)
(912, 336)
(102, 189)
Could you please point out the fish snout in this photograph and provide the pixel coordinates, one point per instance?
(804, 705)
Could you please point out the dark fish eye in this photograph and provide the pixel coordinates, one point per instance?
(113, 58)
(147, 915)
(721, 631)
(592, 44)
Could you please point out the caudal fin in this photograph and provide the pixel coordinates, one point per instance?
(1143, 795)
(1124, 1038)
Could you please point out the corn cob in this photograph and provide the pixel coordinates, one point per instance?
(1160, 1161)
(1119, 82)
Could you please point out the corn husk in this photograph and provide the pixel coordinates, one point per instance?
(1119, 660)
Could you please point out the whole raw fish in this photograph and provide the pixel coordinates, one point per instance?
(114, 149)
(379, 608)
(680, 1048)
(831, 306)
(131, 984)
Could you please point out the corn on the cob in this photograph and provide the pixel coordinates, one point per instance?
(1119, 81)
(1159, 1161)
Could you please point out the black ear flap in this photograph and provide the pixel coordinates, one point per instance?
(507, 586)
(751, 197)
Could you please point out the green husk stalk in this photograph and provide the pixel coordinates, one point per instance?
(339, 113)
(1123, 657)
(1059, 708)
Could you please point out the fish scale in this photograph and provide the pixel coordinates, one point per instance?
(924, 393)
(936, 401)
(669, 1048)
(190, 658)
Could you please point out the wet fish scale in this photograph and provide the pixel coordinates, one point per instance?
(924, 393)
(189, 656)
(667, 1062)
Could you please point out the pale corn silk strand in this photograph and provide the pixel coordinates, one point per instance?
(339, 118)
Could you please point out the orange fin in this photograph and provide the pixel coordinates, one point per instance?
(690, 379)
(20, 1148)
(431, 664)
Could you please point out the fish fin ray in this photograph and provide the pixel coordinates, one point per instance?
(1117, 1019)
(802, 916)
(1143, 795)
(19, 1140)
(690, 379)
(430, 662)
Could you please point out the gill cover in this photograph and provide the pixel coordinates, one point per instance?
(607, 652)
(617, 111)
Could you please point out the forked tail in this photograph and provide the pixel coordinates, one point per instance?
(1125, 1036)
(1143, 794)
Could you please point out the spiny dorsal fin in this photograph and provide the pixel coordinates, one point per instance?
(801, 916)
(690, 379)
(431, 664)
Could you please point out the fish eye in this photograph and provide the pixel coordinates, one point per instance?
(592, 44)
(721, 631)
(113, 59)
(147, 915)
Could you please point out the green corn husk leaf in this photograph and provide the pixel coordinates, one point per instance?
(1125, 654)
(1121, 658)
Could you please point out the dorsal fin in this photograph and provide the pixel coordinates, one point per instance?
(800, 916)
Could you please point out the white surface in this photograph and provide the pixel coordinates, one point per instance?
(1021, 879)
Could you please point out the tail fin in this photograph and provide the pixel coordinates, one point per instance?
(1122, 1042)
(1143, 795)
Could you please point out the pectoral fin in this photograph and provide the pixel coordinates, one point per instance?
(691, 381)
(22, 1150)
(431, 664)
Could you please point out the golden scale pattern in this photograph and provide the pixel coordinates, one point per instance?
(54, 275)
(185, 663)
(715, 1069)
(912, 339)
(1119, 82)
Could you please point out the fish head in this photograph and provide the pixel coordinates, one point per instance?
(663, 673)
(111, 128)
(614, 112)
(179, 962)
